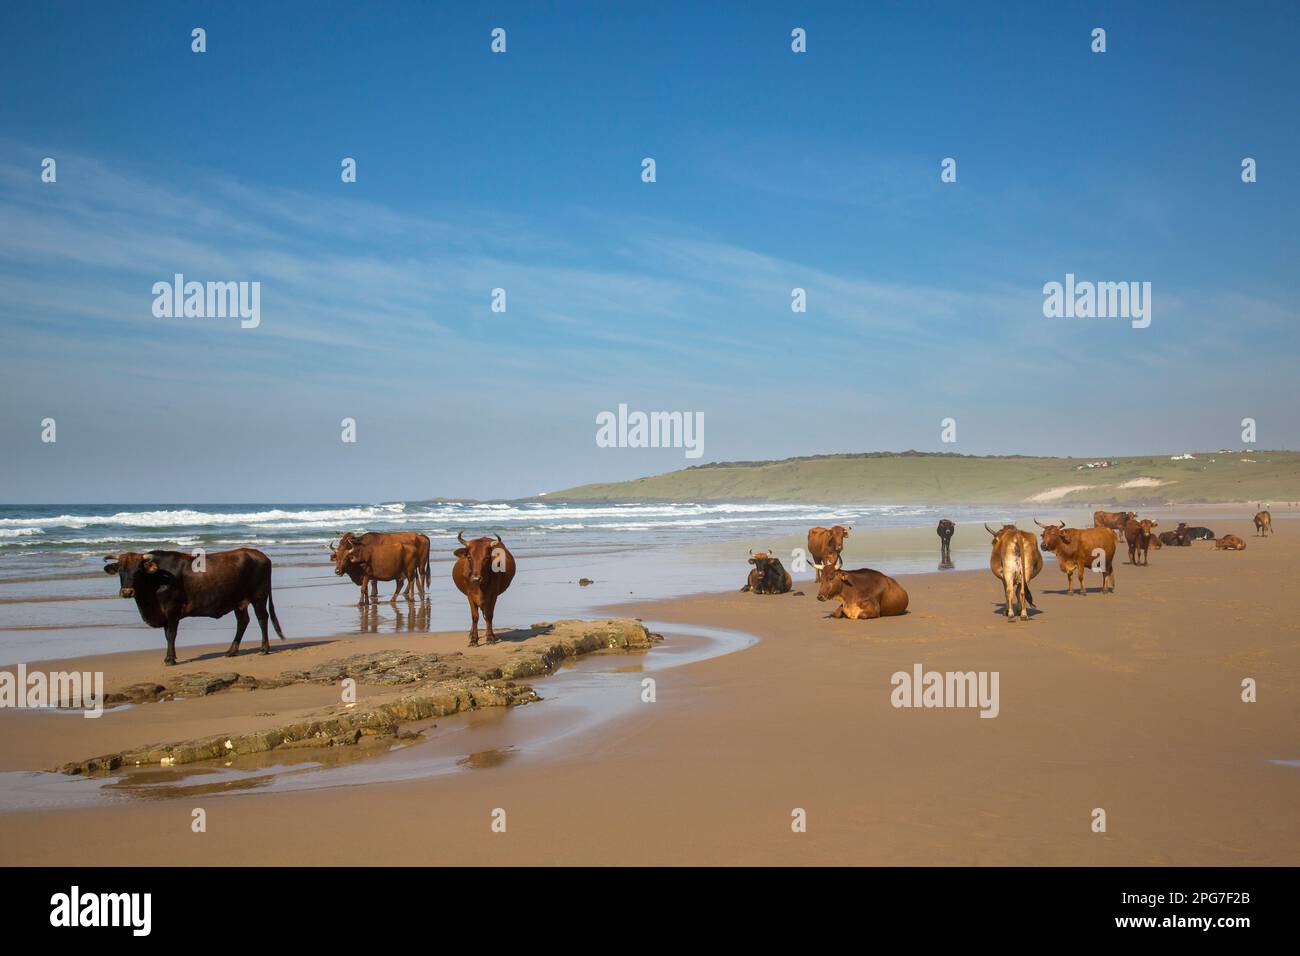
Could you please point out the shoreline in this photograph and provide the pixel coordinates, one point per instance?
(1129, 702)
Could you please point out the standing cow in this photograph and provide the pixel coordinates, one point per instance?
(1263, 524)
(483, 570)
(1015, 562)
(1078, 549)
(1114, 520)
(825, 545)
(397, 556)
(168, 588)
(1138, 536)
(366, 564)
(945, 532)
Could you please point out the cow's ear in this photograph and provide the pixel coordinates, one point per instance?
(110, 568)
(150, 566)
(753, 561)
(461, 552)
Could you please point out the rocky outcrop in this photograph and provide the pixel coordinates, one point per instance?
(447, 685)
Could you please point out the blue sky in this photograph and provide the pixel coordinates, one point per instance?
(522, 171)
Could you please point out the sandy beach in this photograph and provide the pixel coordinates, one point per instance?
(1128, 702)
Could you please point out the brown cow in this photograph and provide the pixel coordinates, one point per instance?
(1138, 536)
(769, 575)
(483, 570)
(420, 542)
(1230, 542)
(1078, 549)
(1263, 523)
(383, 561)
(1178, 538)
(825, 545)
(380, 557)
(864, 594)
(168, 588)
(1115, 520)
(1015, 562)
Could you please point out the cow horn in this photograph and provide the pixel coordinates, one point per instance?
(1039, 523)
(819, 567)
(498, 537)
(460, 536)
(751, 552)
(990, 530)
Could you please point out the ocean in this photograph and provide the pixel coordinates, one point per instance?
(55, 600)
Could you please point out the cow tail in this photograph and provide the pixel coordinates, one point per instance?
(270, 603)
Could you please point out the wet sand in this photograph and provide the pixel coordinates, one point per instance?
(1128, 702)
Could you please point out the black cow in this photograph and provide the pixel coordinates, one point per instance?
(1199, 534)
(945, 533)
(167, 588)
(769, 575)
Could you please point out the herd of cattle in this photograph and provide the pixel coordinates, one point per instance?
(1015, 560)
(169, 586)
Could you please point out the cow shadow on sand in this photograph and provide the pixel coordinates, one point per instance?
(518, 634)
(284, 648)
(1000, 609)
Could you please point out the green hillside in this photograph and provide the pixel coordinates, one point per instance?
(919, 477)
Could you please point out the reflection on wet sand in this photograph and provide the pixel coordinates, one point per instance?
(411, 620)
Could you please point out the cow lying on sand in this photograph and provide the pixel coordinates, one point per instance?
(1230, 542)
(768, 576)
(863, 594)
(1015, 562)
(167, 589)
(1078, 549)
(1199, 534)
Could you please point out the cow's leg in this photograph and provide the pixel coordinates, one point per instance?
(1010, 583)
(1022, 587)
(839, 612)
(867, 610)
(259, 608)
(365, 592)
(241, 624)
(490, 606)
(170, 631)
(473, 623)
